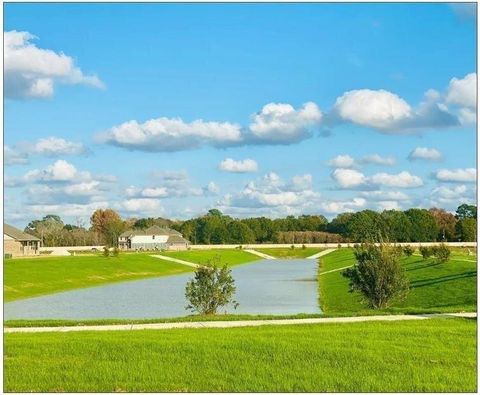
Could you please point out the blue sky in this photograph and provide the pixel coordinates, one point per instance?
(255, 109)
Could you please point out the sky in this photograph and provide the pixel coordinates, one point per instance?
(254, 109)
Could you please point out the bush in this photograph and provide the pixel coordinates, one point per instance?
(408, 250)
(304, 246)
(106, 252)
(426, 252)
(378, 275)
(441, 252)
(116, 251)
(7, 256)
(292, 247)
(210, 289)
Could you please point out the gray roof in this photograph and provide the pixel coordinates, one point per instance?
(175, 239)
(17, 234)
(153, 230)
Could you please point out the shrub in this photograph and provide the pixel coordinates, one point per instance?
(292, 247)
(426, 252)
(304, 246)
(106, 252)
(378, 275)
(210, 289)
(7, 256)
(441, 252)
(408, 250)
(116, 251)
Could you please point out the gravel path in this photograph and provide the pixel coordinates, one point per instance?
(235, 324)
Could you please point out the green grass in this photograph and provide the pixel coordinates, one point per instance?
(288, 253)
(25, 278)
(445, 287)
(437, 355)
(230, 257)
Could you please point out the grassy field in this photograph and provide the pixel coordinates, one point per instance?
(230, 257)
(446, 287)
(287, 253)
(25, 278)
(436, 355)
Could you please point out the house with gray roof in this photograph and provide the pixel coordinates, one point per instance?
(18, 243)
(153, 238)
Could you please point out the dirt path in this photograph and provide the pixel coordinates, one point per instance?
(321, 253)
(235, 324)
(260, 254)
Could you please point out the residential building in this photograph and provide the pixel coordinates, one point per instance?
(153, 238)
(18, 243)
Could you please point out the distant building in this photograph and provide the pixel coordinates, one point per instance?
(153, 238)
(18, 243)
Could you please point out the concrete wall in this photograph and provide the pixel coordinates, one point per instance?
(317, 245)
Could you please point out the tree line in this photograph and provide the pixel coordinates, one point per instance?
(412, 225)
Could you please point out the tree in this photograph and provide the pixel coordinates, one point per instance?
(466, 211)
(211, 289)
(397, 226)
(378, 275)
(365, 226)
(466, 229)
(240, 233)
(445, 222)
(423, 225)
(339, 223)
(108, 224)
(48, 229)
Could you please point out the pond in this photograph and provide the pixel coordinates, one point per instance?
(263, 287)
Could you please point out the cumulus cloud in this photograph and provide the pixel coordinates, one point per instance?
(342, 161)
(337, 207)
(14, 157)
(424, 153)
(354, 179)
(140, 206)
(457, 175)
(401, 180)
(376, 159)
(388, 113)
(349, 178)
(55, 146)
(282, 124)
(463, 92)
(171, 134)
(61, 170)
(31, 72)
(238, 166)
(385, 195)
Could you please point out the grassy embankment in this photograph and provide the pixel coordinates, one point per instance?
(231, 257)
(24, 278)
(437, 355)
(445, 287)
(290, 253)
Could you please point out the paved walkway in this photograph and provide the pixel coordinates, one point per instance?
(335, 270)
(168, 258)
(260, 254)
(234, 324)
(321, 253)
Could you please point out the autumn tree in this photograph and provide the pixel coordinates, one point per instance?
(108, 224)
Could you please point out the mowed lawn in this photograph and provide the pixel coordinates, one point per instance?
(230, 257)
(289, 253)
(436, 355)
(25, 278)
(435, 287)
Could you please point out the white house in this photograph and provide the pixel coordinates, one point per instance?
(153, 238)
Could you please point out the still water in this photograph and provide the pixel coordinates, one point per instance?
(263, 287)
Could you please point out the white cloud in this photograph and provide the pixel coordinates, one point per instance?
(154, 192)
(388, 205)
(385, 195)
(457, 175)
(89, 188)
(146, 205)
(240, 166)
(378, 109)
(463, 92)
(401, 180)
(61, 170)
(376, 159)
(66, 210)
(467, 116)
(282, 124)
(449, 193)
(32, 72)
(301, 182)
(14, 157)
(424, 153)
(171, 134)
(54, 146)
(342, 161)
(212, 188)
(349, 178)
(337, 207)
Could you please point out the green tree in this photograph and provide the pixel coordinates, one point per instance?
(240, 233)
(340, 223)
(397, 226)
(423, 225)
(378, 275)
(365, 226)
(211, 289)
(466, 229)
(466, 211)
